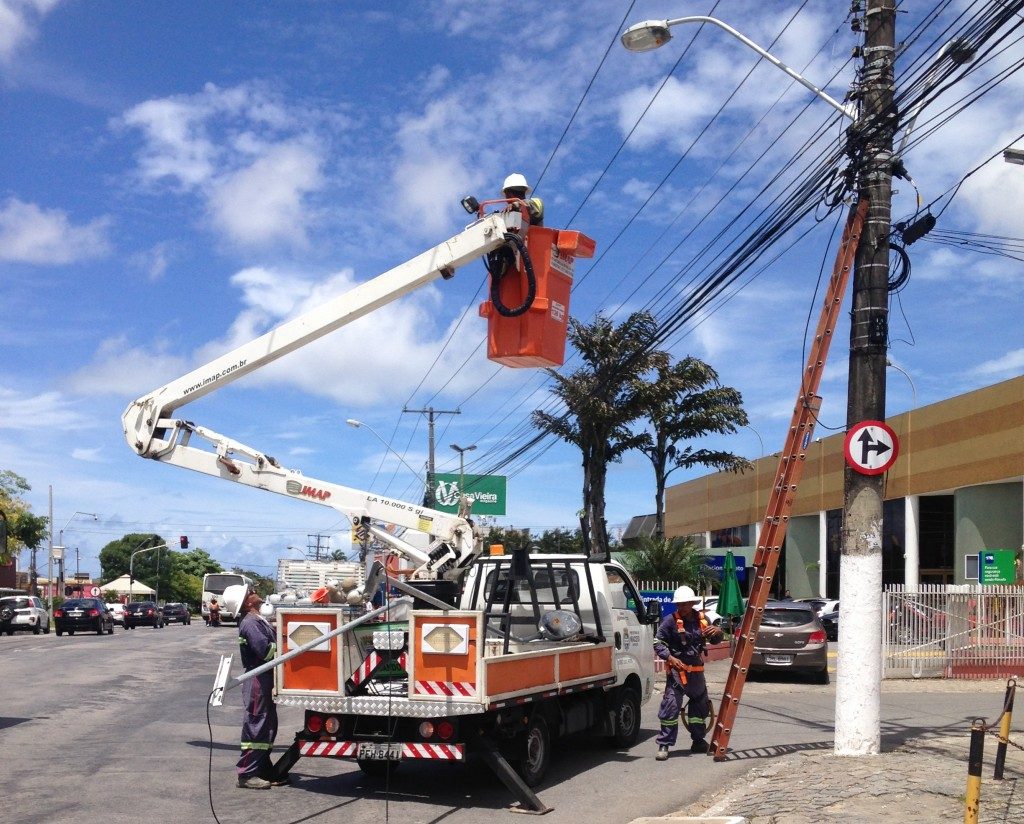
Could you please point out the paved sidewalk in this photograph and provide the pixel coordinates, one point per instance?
(920, 781)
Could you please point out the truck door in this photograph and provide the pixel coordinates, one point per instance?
(634, 638)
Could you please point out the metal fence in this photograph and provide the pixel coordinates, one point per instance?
(952, 631)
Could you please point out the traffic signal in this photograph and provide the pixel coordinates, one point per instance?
(183, 540)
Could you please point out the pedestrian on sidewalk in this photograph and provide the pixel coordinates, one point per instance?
(681, 642)
(258, 644)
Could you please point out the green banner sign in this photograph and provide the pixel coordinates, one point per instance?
(487, 492)
(998, 566)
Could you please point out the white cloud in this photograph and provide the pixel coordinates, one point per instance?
(19, 22)
(44, 411)
(1010, 364)
(253, 161)
(88, 455)
(265, 202)
(118, 369)
(29, 234)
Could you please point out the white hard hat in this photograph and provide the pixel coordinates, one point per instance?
(515, 181)
(685, 595)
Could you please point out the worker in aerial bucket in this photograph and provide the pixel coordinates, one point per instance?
(515, 188)
(681, 642)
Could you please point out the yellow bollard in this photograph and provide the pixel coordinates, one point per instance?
(972, 800)
(1004, 729)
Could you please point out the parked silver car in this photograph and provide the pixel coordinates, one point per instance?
(25, 613)
(791, 638)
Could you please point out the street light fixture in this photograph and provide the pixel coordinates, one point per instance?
(650, 34)
(60, 543)
(131, 567)
(462, 450)
(1014, 156)
(360, 425)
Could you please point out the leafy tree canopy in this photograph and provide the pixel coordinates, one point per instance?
(24, 530)
(264, 585)
(669, 559)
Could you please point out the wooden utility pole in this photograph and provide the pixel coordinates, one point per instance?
(858, 689)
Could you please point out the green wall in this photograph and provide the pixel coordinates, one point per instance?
(801, 550)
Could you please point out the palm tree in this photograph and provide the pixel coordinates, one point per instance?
(685, 402)
(669, 559)
(600, 400)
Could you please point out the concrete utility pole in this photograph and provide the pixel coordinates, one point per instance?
(858, 682)
(430, 412)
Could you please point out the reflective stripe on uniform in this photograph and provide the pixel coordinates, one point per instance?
(254, 745)
(669, 722)
(271, 653)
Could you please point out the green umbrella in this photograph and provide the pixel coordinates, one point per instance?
(730, 602)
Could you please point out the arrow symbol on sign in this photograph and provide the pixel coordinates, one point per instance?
(868, 444)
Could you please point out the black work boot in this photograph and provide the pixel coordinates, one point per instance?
(699, 746)
(662, 753)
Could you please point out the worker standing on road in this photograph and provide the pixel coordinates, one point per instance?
(259, 725)
(681, 642)
(515, 188)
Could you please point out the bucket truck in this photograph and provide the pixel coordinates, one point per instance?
(497, 655)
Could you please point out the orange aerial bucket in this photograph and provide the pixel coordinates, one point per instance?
(525, 330)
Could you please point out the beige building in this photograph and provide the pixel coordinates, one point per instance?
(957, 488)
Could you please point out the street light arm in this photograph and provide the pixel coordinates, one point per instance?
(658, 34)
(360, 425)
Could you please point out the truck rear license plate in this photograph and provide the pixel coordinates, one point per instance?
(380, 751)
(778, 659)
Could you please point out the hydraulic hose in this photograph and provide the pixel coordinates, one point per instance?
(499, 262)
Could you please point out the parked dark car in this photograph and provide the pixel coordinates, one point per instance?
(143, 614)
(87, 614)
(791, 638)
(177, 613)
(830, 621)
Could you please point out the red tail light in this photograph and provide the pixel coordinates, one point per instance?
(817, 637)
(58, 613)
(314, 723)
(93, 613)
(444, 730)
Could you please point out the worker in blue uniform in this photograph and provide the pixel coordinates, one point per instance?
(258, 644)
(681, 642)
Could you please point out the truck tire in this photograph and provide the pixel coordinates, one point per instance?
(537, 755)
(626, 712)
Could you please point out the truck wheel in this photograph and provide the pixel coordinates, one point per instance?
(377, 769)
(626, 709)
(537, 757)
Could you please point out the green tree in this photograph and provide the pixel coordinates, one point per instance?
(549, 541)
(115, 558)
(264, 585)
(24, 529)
(684, 402)
(196, 562)
(669, 559)
(601, 399)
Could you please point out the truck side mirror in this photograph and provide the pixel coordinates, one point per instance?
(652, 611)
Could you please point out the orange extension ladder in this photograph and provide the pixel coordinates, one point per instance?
(791, 467)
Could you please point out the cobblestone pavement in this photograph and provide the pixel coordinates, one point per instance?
(921, 781)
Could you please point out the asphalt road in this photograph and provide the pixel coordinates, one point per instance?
(113, 729)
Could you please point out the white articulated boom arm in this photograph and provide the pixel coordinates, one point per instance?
(153, 433)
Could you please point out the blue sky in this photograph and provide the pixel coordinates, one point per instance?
(179, 178)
